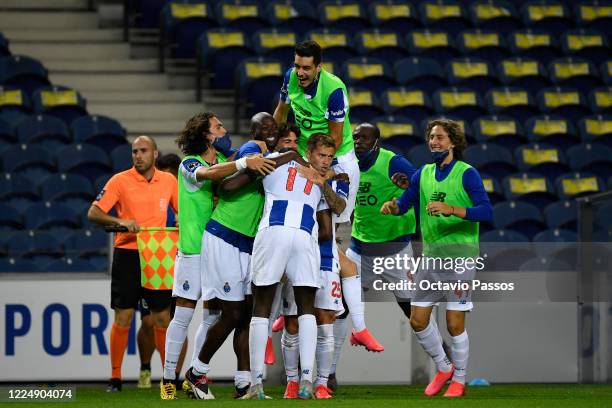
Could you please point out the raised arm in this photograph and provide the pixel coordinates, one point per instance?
(219, 171)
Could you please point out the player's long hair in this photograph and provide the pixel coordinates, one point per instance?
(455, 133)
(192, 140)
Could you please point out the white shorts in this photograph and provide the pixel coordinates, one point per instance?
(459, 300)
(394, 276)
(347, 163)
(328, 297)
(226, 273)
(278, 250)
(187, 276)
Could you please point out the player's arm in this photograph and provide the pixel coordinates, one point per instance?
(256, 163)
(282, 109)
(335, 131)
(95, 214)
(337, 107)
(324, 219)
(281, 112)
(336, 202)
(408, 199)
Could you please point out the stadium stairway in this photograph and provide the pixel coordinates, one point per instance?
(84, 49)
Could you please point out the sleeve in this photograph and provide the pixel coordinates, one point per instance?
(248, 149)
(322, 205)
(337, 106)
(410, 197)
(341, 188)
(482, 210)
(284, 91)
(188, 169)
(399, 164)
(110, 194)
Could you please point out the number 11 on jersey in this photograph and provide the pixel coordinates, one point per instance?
(291, 181)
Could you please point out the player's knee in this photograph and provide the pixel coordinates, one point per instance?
(124, 317)
(455, 327)
(291, 324)
(419, 323)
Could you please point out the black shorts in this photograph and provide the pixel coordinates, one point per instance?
(143, 307)
(126, 290)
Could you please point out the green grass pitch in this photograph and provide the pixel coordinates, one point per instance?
(371, 396)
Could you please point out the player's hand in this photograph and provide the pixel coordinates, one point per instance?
(390, 208)
(341, 177)
(439, 208)
(259, 164)
(262, 145)
(401, 180)
(131, 225)
(312, 175)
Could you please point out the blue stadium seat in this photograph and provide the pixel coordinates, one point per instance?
(100, 131)
(247, 16)
(554, 130)
(502, 130)
(536, 44)
(65, 103)
(15, 105)
(556, 235)
(295, 15)
(562, 214)
(18, 265)
(181, 25)
(462, 102)
(148, 12)
(346, 15)
(493, 189)
(50, 215)
(594, 14)
(550, 15)
(503, 236)
(585, 43)
(10, 219)
(571, 185)
(121, 158)
(70, 189)
(336, 44)
(18, 190)
(86, 160)
(498, 15)
(4, 46)
(605, 69)
(33, 161)
(7, 135)
(410, 102)
(447, 15)
(398, 132)
(436, 44)
(545, 263)
(600, 100)
(69, 265)
(518, 216)
(420, 72)
(564, 101)
(523, 72)
(491, 159)
(275, 43)
(84, 243)
(399, 16)
(595, 159)
(364, 104)
(504, 249)
(368, 72)
(596, 129)
(420, 155)
(531, 188)
(515, 102)
(259, 80)
(23, 72)
(544, 159)
(220, 51)
(574, 72)
(381, 43)
(488, 45)
(47, 131)
(474, 73)
(29, 243)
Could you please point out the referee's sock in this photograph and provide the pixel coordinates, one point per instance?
(118, 343)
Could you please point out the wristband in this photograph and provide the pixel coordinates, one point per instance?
(241, 164)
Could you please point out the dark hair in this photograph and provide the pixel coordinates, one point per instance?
(192, 140)
(320, 139)
(455, 133)
(309, 48)
(285, 128)
(168, 161)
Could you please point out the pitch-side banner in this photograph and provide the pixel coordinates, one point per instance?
(58, 330)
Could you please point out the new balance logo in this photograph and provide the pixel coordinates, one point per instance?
(438, 196)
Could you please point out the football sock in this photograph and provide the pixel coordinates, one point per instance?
(160, 342)
(175, 338)
(460, 350)
(291, 354)
(208, 319)
(431, 341)
(145, 366)
(242, 378)
(324, 352)
(308, 345)
(258, 336)
(340, 333)
(351, 287)
(118, 343)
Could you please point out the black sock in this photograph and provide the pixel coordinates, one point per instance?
(144, 366)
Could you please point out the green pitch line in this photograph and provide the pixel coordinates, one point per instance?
(370, 396)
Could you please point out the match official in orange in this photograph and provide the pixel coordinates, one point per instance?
(141, 196)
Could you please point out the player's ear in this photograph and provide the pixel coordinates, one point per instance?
(155, 154)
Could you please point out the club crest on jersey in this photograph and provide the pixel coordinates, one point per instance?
(226, 287)
(186, 285)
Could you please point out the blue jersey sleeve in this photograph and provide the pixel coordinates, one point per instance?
(399, 164)
(284, 91)
(337, 105)
(410, 197)
(248, 149)
(482, 210)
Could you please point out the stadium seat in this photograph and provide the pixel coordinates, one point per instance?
(596, 129)
(562, 214)
(502, 130)
(85, 243)
(12, 265)
(420, 72)
(605, 70)
(435, 44)
(398, 132)
(275, 43)
(515, 102)
(18, 190)
(65, 103)
(541, 158)
(531, 188)
(47, 131)
(556, 235)
(259, 83)
(346, 15)
(498, 15)
(574, 72)
(600, 100)
(121, 158)
(23, 72)
(86, 160)
(337, 45)
(69, 265)
(535, 44)
(33, 161)
(447, 15)
(70, 189)
(14, 105)
(148, 12)
(10, 219)
(100, 131)
(29, 243)
(554, 130)
(247, 16)
(4, 46)
(220, 50)
(493, 189)
(503, 236)
(399, 16)
(7, 135)
(364, 104)
(550, 15)
(368, 72)
(420, 155)
(462, 102)
(491, 159)
(586, 43)
(50, 215)
(567, 102)
(410, 102)
(596, 159)
(381, 43)
(488, 45)
(504, 249)
(100, 182)
(523, 72)
(571, 185)
(181, 25)
(546, 264)
(295, 15)
(518, 216)
(471, 72)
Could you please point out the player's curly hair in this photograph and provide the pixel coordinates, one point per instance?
(455, 133)
(192, 140)
(320, 139)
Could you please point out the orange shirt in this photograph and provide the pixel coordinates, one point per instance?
(135, 198)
